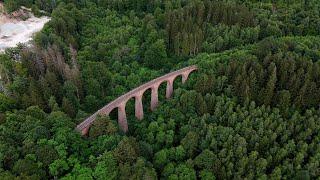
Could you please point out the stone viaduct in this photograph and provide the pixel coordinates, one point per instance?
(137, 93)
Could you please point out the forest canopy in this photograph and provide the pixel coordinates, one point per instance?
(251, 111)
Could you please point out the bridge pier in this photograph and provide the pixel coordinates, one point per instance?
(122, 117)
(169, 89)
(85, 131)
(154, 97)
(138, 107)
(185, 76)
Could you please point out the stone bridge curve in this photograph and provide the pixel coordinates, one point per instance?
(137, 93)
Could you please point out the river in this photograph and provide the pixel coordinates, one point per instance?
(14, 31)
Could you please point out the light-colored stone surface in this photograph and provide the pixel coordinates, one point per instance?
(14, 30)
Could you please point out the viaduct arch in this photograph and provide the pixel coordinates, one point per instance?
(137, 94)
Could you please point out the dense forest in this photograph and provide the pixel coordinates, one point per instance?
(251, 111)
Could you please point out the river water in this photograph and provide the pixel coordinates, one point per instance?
(13, 32)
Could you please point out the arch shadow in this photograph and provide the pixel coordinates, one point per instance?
(177, 83)
(130, 113)
(162, 92)
(146, 100)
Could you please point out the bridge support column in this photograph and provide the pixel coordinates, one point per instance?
(122, 118)
(85, 131)
(169, 90)
(185, 76)
(139, 107)
(154, 97)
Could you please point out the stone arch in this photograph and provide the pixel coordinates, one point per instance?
(146, 98)
(185, 75)
(162, 91)
(113, 114)
(169, 85)
(137, 94)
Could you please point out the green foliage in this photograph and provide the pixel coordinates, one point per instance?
(127, 151)
(155, 55)
(107, 167)
(282, 77)
(102, 126)
(251, 111)
(6, 103)
(11, 5)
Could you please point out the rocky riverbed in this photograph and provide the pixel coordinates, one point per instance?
(18, 27)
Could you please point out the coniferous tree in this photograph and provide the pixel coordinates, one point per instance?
(271, 85)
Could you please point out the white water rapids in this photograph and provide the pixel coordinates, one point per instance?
(20, 32)
(13, 31)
